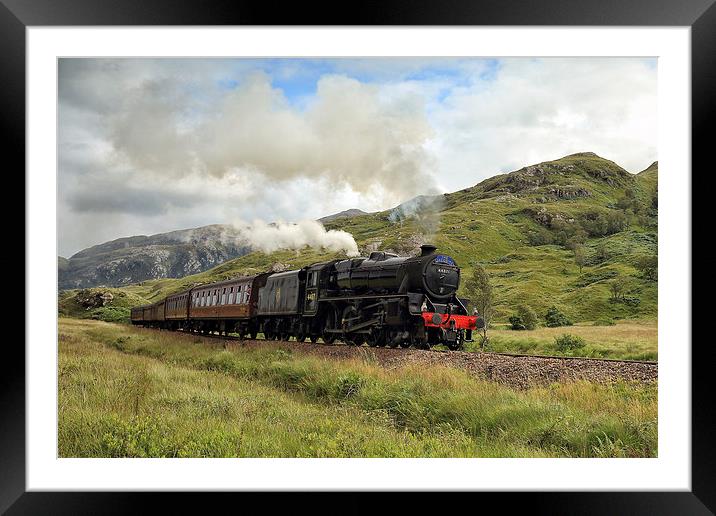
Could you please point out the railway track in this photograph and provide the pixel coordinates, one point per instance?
(500, 353)
(514, 369)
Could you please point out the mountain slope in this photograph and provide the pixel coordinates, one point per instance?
(520, 227)
(353, 212)
(166, 255)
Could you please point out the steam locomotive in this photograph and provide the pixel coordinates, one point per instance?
(381, 300)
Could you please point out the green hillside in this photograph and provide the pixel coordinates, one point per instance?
(522, 227)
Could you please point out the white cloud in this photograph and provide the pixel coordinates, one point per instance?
(151, 145)
(537, 110)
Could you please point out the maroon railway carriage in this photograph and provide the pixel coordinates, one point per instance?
(149, 315)
(225, 306)
(137, 315)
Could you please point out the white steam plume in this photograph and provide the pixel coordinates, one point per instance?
(425, 210)
(351, 134)
(285, 235)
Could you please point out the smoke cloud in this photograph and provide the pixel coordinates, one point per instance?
(275, 236)
(351, 133)
(283, 235)
(424, 210)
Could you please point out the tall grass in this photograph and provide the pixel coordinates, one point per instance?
(140, 383)
(632, 340)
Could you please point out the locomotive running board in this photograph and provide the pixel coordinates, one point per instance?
(354, 328)
(350, 298)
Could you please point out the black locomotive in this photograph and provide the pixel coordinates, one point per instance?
(380, 300)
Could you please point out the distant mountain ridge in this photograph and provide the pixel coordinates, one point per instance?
(353, 212)
(139, 258)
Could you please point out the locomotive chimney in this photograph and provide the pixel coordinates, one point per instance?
(427, 249)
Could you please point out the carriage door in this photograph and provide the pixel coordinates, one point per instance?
(311, 303)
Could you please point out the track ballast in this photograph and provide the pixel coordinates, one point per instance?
(514, 369)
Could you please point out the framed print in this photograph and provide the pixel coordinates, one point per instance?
(414, 250)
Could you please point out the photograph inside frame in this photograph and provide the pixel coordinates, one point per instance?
(357, 257)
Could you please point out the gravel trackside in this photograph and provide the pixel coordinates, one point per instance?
(515, 371)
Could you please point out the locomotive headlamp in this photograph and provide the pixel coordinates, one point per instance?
(437, 318)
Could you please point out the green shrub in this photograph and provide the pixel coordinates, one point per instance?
(555, 318)
(524, 319)
(119, 314)
(567, 342)
(517, 323)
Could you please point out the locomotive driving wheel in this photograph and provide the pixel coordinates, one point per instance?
(376, 338)
(350, 313)
(331, 320)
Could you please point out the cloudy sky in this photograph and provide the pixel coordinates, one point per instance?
(152, 145)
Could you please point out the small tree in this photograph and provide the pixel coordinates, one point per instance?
(580, 257)
(617, 287)
(602, 253)
(577, 239)
(555, 318)
(480, 291)
(524, 319)
(648, 266)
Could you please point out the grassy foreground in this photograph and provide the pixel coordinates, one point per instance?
(631, 340)
(127, 392)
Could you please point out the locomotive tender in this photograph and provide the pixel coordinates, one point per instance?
(380, 300)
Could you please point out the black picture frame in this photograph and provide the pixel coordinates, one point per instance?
(700, 15)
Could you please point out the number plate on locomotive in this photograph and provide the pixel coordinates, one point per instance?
(441, 258)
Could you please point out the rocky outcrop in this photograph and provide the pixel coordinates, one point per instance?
(93, 299)
(166, 255)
